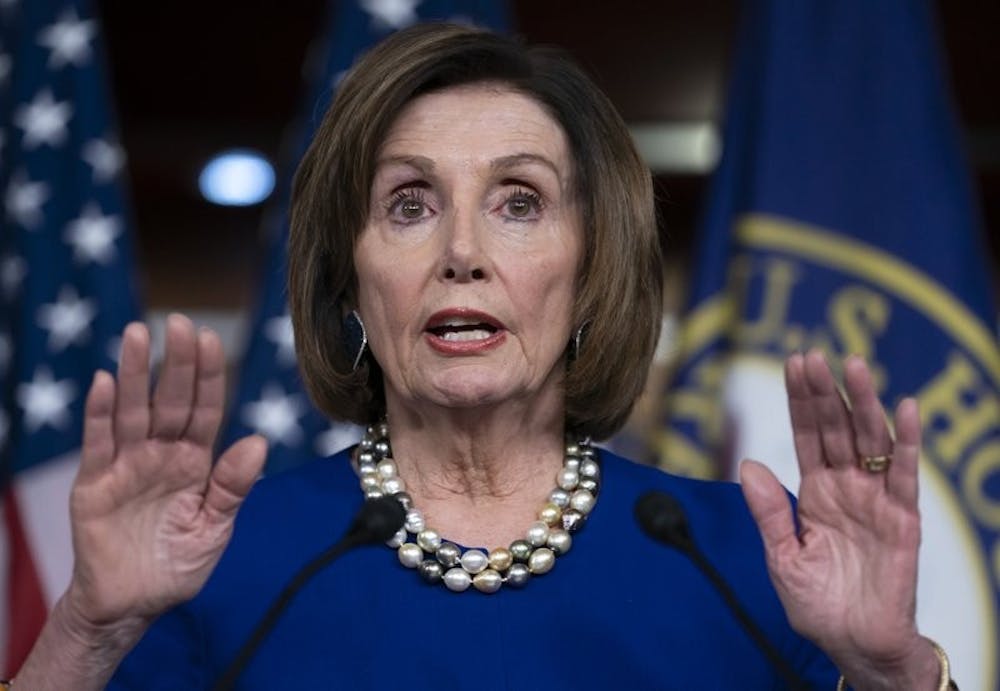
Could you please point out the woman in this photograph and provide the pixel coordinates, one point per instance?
(474, 272)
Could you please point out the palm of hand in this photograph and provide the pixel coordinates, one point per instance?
(847, 575)
(150, 514)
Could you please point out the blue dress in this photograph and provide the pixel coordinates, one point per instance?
(618, 611)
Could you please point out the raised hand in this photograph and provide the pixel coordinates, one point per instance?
(151, 514)
(847, 577)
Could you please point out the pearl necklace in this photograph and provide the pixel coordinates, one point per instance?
(422, 548)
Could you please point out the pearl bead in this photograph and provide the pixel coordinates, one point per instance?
(366, 466)
(393, 484)
(415, 521)
(501, 559)
(537, 533)
(429, 540)
(397, 539)
(373, 494)
(369, 482)
(550, 514)
(518, 575)
(582, 501)
(589, 484)
(405, 499)
(474, 561)
(567, 478)
(382, 429)
(430, 571)
(448, 554)
(559, 497)
(410, 555)
(520, 550)
(572, 519)
(366, 444)
(382, 448)
(589, 468)
(560, 541)
(488, 581)
(572, 449)
(457, 579)
(386, 468)
(572, 464)
(588, 451)
(542, 560)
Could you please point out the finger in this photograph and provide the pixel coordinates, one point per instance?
(872, 436)
(234, 474)
(98, 450)
(175, 388)
(805, 431)
(210, 390)
(131, 415)
(901, 478)
(770, 508)
(832, 417)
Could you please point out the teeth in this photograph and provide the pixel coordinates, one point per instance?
(452, 323)
(473, 335)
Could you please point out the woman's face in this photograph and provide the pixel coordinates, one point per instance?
(467, 265)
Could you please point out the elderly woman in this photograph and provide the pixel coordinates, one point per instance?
(475, 274)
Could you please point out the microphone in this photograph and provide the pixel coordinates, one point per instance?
(662, 518)
(376, 521)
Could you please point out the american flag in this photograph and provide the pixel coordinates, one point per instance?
(65, 288)
(270, 399)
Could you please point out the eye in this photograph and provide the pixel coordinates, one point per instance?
(522, 205)
(408, 205)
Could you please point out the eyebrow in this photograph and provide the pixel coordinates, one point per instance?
(421, 163)
(426, 165)
(505, 162)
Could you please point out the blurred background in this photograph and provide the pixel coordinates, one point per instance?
(827, 175)
(192, 79)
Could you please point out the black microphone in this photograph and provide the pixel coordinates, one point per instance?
(662, 517)
(376, 521)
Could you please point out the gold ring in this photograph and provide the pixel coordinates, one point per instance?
(875, 464)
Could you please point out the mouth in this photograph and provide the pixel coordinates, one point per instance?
(462, 325)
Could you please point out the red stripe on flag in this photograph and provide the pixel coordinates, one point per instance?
(25, 602)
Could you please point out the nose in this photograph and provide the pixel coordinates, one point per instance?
(464, 257)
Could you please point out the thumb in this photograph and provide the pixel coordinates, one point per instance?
(234, 474)
(770, 507)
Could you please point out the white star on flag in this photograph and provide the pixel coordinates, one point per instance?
(93, 235)
(104, 157)
(13, 269)
(43, 120)
(24, 200)
(45, 401)
(339, 436)
(68, 40)
(67, 320)
(279, 331)
(276, 415)
(391, 14)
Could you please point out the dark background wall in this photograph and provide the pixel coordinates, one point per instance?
(192, 78)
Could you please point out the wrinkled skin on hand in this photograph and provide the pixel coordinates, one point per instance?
(151, 513)
(847, 577)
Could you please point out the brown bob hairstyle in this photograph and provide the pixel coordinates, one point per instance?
(620, 282)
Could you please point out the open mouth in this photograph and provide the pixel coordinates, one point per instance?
(459, 325)
(459, 330)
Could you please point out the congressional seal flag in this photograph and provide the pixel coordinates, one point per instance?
(271, 399)
(841, 217)
(65, 289)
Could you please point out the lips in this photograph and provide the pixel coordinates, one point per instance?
(463, 331)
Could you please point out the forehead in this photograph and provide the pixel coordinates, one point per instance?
(478, 120)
